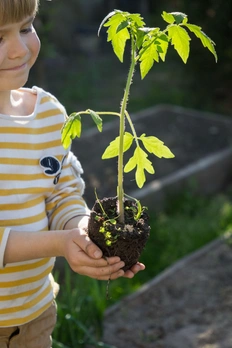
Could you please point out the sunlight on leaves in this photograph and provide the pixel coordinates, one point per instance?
(148, 46)
(172, 17)
(206, 41)
(113, 149)
(154, 46)
(168, 17)
(136, 19)
(121, 26)
(163, 44)
(179, 17)
(147, 59)
(117, 37)
(180, 40)
(156, 146)
(71, 129)
(140, 161)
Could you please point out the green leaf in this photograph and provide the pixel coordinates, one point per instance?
(71, 129)
(151, 48)
(163, 44)
(122, 26)
(185, 20)
(97, 119)
(140, 37)
(112, 221)
(172, 17)
(180, 39)
(205, 40)
(179, 17)
(147, 59)
(136, 19)
(117, 35)
(113, 149)
(156, 146)
(140, 161)
(168, 17)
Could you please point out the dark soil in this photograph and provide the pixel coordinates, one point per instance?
(125, 240)
(187, 306)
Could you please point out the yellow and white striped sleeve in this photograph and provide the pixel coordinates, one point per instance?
(4, 234)
(67, 201)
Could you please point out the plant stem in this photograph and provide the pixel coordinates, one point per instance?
(120, 190)
(132, 128)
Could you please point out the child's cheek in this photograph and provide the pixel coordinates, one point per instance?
(34, 48)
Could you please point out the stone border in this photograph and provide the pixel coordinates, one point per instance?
(169, 271)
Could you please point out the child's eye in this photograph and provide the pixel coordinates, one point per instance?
(26, 30)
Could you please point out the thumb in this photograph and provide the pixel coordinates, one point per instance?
(90, 248)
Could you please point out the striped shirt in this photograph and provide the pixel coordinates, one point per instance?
(40, 189)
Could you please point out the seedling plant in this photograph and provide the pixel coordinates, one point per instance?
(148, 46)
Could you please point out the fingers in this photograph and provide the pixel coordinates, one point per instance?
(102, 269)
(134, 270)
(85, 258)
(81, 258)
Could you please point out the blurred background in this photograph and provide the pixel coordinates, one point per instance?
(76, 65)
(82, 71)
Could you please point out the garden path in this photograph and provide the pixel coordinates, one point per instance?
(187, 306)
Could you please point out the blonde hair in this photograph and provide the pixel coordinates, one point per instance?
(12, 11)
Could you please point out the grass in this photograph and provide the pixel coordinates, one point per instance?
(188, 222)
(80, 310)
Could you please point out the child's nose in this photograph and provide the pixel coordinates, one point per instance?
(18, 48)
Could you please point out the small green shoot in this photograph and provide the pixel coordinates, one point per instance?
(109, 238)
(149, 46)
(139, 210)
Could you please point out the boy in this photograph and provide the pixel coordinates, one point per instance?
(42, 212)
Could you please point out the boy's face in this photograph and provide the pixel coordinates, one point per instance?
(19, 48)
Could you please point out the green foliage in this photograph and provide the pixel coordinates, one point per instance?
(152, 43)
(148, 45)
(139, 159)
(188, 222)
(138, 210)
(121, 26)
(156, 146)
(100, 87)
(97, 119)
(141, 163)
(113, 149)
(72, 127)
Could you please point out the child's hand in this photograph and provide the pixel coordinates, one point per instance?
(134, 269)
(84, 257)
(82, 254)
(89, 249)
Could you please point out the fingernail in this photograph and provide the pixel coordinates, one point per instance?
(97, 254)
